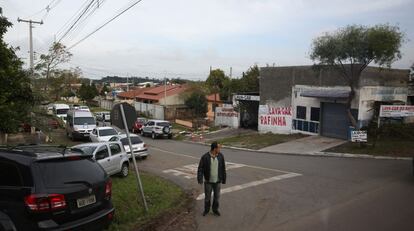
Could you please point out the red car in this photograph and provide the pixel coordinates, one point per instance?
(139, 123)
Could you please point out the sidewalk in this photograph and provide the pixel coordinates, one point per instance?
(307, 145)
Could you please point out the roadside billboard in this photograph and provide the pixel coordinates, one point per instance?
(227, 116)
(275, 119)
(396, 110)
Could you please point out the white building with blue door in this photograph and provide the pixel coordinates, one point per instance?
(301, 99)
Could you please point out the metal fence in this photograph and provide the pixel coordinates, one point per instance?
(154, 111)
(106, 104)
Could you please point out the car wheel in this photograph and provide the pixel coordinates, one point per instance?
(169, 136)
(124, 170)
(144, 157)
(153, 136)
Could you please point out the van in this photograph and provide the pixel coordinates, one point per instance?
(60, 111)
(79, 124)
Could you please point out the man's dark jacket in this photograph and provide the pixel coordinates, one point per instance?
(204, 168)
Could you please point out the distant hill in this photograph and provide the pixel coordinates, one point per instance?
(119, 79)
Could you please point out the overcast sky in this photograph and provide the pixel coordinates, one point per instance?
(182, 38)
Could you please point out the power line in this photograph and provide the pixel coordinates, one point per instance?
(83, 13)
(82, 23)
(106, 23)
(52, 4)
(71, 19)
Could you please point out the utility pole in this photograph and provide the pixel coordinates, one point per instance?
(31, 39)
(127, 82)
(165, 92)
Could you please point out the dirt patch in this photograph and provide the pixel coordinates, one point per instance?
(180, 218)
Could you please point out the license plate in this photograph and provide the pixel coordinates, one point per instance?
(86, 134)
(82, 202)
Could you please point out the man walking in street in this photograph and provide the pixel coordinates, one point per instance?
(212, 168)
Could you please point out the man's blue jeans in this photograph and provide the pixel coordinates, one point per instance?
(208, 188)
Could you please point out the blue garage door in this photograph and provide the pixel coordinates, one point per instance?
(335, 120)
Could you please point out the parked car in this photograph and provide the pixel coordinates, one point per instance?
(110, 155)
(157, 128)
(139, 123)
(103, 116)
(51, 188)
(60, 110)
(84, 108)
(139, 148)
(79, 124)
(101, 134)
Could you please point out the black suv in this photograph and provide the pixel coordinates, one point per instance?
(52, 188)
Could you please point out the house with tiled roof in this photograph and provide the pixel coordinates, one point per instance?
(163, 95)
(132, 94)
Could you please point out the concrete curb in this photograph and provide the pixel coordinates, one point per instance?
(315, 154)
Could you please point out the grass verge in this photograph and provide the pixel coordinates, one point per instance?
(383, 147)
(258, 141)
(160, 194)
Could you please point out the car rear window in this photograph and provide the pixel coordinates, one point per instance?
(163, 124)
(107, 132)
(58, 173)
(134, 140)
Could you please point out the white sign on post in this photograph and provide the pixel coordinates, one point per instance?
(396, 110)
(359, 136)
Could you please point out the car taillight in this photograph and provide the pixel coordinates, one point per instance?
(108, 189)
(43, 203)
(145, 145)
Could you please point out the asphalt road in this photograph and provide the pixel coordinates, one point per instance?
(290, 192)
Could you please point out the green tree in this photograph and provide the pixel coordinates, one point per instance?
(16, 97)
(250, 80)
(215, 83)
(104, 90)
(87, 92)
(198, 102)
(48, 62)
(351, 49)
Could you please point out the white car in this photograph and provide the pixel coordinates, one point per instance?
(102, 134)
(110, 155)
(139, 148)
(157, 128)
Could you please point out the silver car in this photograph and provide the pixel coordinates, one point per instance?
(110, 155)
(157, 128)
(139, 148)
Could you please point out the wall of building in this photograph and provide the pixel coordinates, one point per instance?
(280, 88)
(370, 94)
(226, 116)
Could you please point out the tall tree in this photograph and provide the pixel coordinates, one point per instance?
(351, 49)
(198, 102)
(250, 80)
(48, 62)
(215, 83)
(16, 98)
(87, 92)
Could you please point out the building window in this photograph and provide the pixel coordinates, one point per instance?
(314, 114)
(301, 112)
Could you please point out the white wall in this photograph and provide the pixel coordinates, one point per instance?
(368, 95)
(226, 116)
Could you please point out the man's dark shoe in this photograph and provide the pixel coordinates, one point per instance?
(217, 213)
(205, 213)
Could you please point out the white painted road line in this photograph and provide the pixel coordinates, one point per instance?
(244, 165)
(253, 184)
(190, 171)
